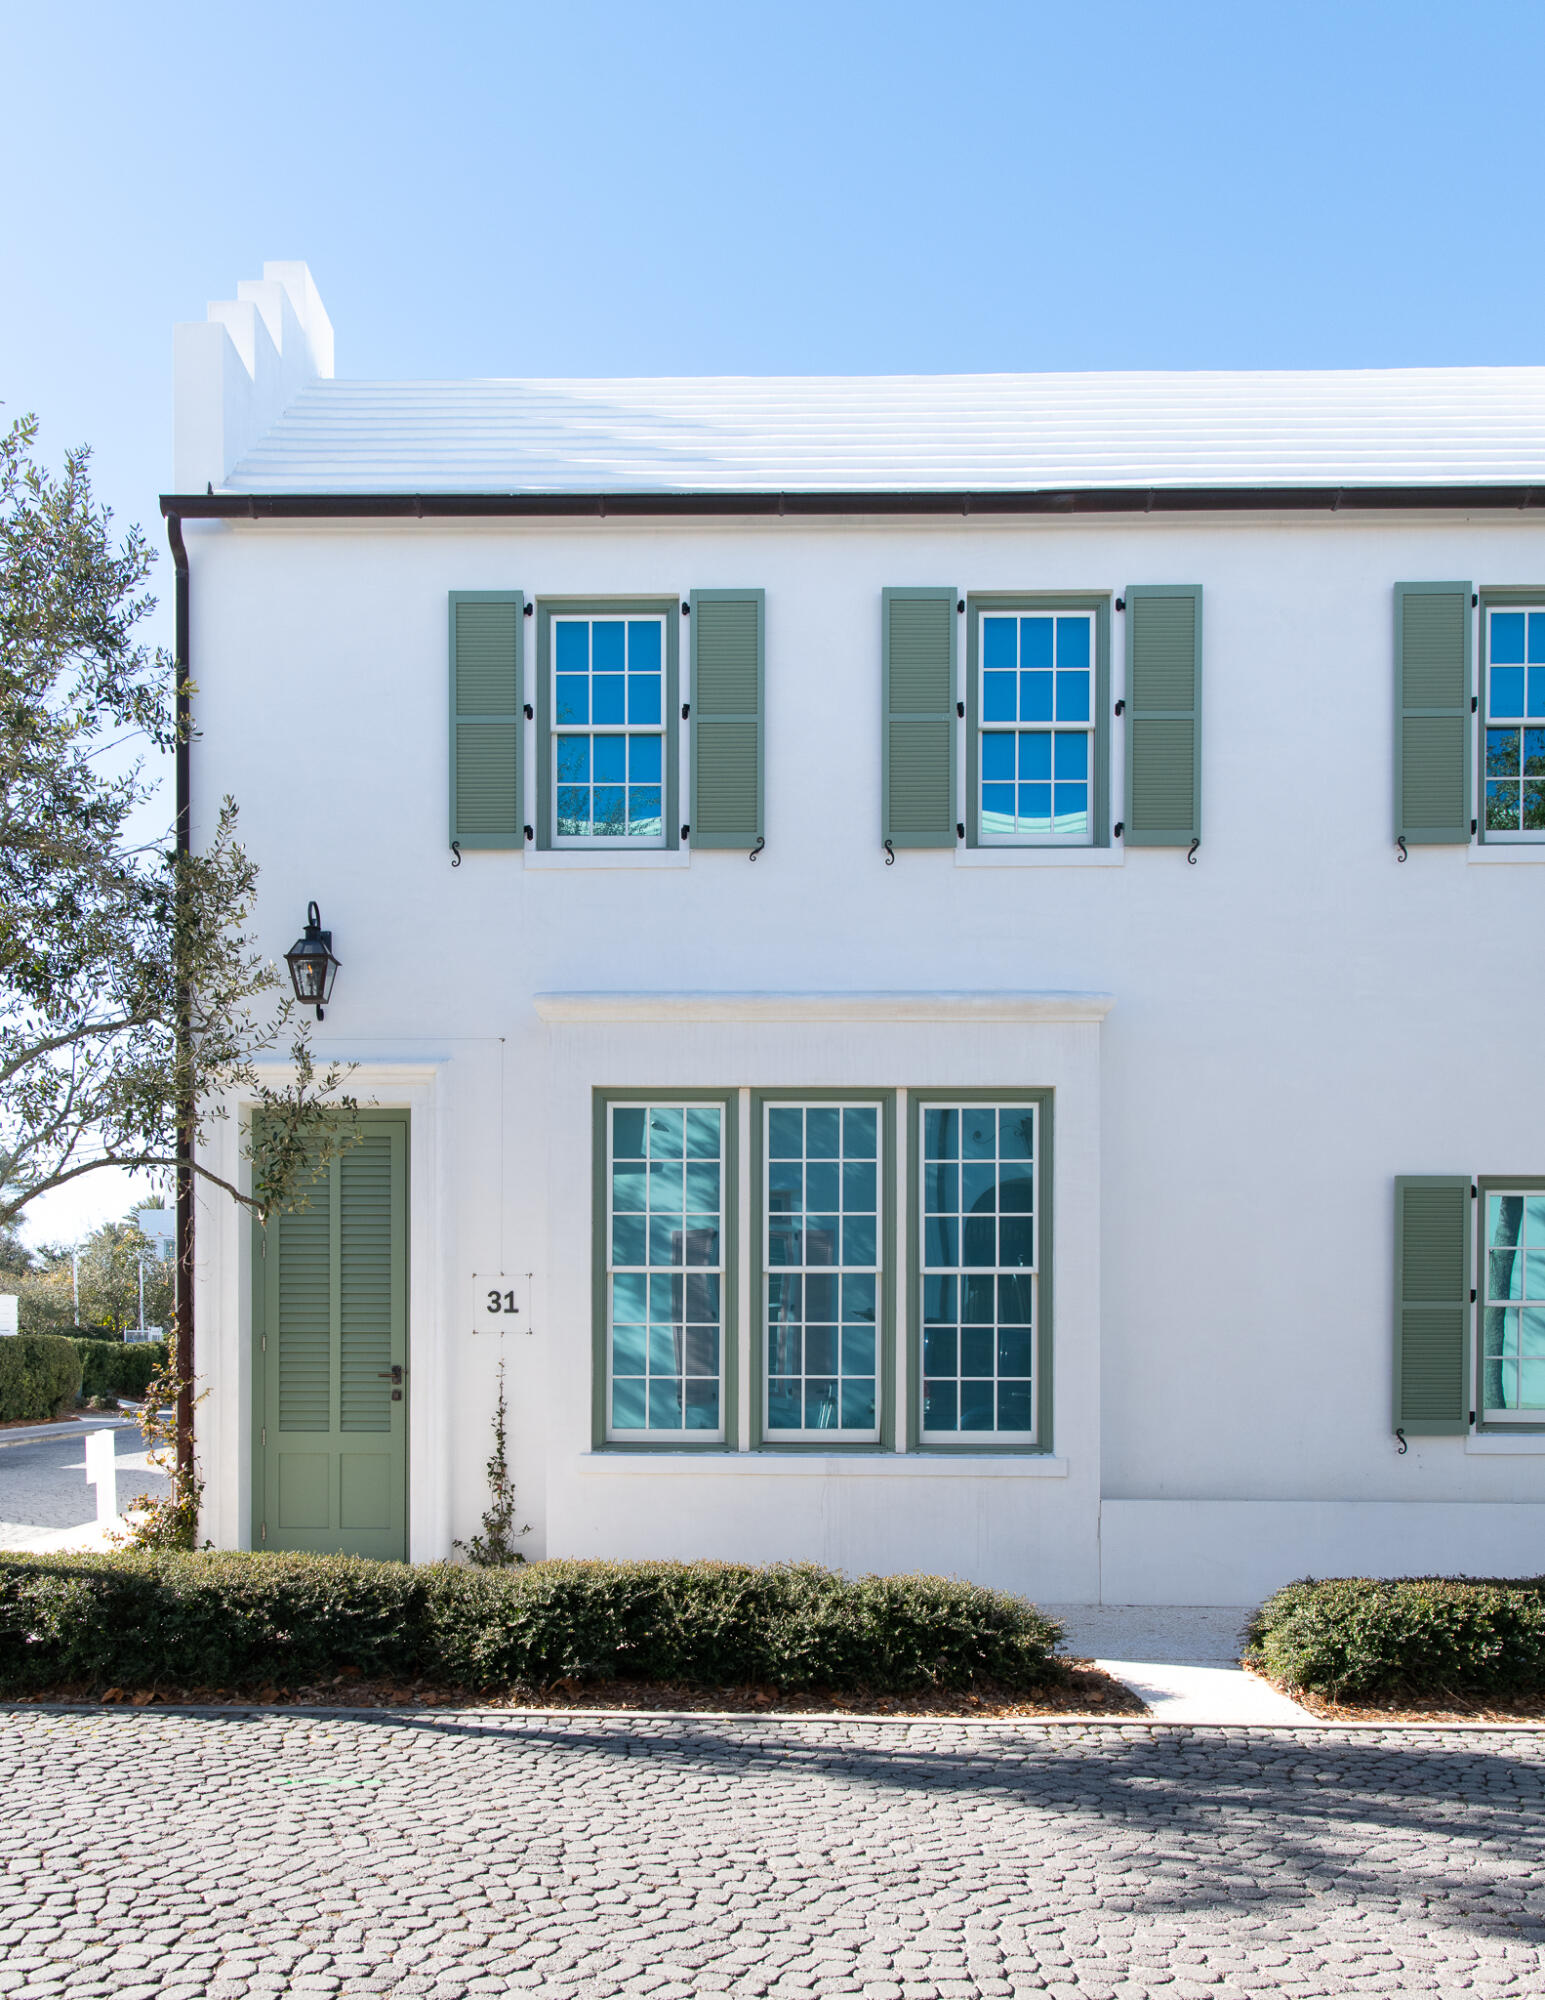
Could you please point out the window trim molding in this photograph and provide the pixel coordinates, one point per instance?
(1495, 1426)
(1495, 598)
(885, 1326)
(1031, 601)
(666, 608)
(1043, 1098)
(602, 1098)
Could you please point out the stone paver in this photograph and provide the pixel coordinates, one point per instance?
(145, 1856)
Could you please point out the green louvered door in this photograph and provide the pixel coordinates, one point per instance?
(727, 725)
(1164, 715)
(1433, 1221)
(918, 745)
(1432, 714)
(331, 1327)
(486, 714)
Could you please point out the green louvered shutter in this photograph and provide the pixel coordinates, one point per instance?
(1432, 713)
(728, 670)
(918, 750)
(1164, 715)
(1433, 1221)
(486, 806)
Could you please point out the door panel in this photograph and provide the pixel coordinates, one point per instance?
(331, 1348)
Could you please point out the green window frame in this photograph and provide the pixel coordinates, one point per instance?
(667, 1277)
(1511, 739)
(1096, 605)
(771, 1273)
(948, 1293)
(665, 609)
(1510, 1303)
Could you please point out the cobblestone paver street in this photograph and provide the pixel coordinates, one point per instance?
(170, 1854)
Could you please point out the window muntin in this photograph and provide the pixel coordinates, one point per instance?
(1036, 728)
(822, 1270)
(609, 731)
(1513, 1306)
(665, 1271)
(979, 1267)
(1515, 721)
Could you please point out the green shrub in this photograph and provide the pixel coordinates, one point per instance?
(112, 1368)
(149, 1618)
(1419, 1637)
(39, 1374)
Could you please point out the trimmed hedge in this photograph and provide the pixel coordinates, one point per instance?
(39, 1373)
(113, 1368)
(151, 1618)
(1416, 1636)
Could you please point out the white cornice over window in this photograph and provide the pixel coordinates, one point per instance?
(604, 1008)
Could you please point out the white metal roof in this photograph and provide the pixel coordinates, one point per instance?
(898, 433)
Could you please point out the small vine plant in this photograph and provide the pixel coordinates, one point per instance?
(495, 1547)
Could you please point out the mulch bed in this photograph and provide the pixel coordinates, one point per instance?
(1404, 1708)
(1086, 1691)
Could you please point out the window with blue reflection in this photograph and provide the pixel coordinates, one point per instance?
(1515, 721)
(665, 1267)
(978, 1269)
(822, 1269)
(608, 729)
(1037, 723)
(1513, 1308)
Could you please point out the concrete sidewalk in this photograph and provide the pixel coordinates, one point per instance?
(1181, 1659)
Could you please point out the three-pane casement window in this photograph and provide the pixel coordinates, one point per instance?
(665, 1229)
(1037, 727)
(1513, 1305)
(979, 1270)
(1514, 657)
(608, 739)
(822, 1270)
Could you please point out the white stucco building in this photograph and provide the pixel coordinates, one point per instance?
(958, 957)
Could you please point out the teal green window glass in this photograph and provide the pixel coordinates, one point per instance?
(1037, 723)
(608, 737)
(979, 1270)
(1515, 721)
(665, 1221)
(821, 1259)
(1513, 1308)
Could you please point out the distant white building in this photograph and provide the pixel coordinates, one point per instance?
(946, 967)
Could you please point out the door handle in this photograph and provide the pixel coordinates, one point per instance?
(394, 1374)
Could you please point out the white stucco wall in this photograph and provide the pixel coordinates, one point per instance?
(1296, 1019)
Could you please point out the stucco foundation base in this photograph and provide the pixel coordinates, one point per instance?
(1238, 1551)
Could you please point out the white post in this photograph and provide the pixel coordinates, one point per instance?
(102, 1473)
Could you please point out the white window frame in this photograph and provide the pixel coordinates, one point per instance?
(1533, 1417)
(1023, 836)
(648, 1435)
(836, 1434)
(591, 842)
(1504, 836)
(958, 1439)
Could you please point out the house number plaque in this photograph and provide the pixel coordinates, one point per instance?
(501, 1302)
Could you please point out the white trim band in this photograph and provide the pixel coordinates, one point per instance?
(605, 1008)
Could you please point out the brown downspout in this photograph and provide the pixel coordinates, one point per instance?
(186, 1108)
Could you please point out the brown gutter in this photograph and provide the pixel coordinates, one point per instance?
(1084, 500)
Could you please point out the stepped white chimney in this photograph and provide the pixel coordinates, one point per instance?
(239, 369)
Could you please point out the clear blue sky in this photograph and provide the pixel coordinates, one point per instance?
(615, 187)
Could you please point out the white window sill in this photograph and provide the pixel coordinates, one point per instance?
(1498, 1444)
(561, 858)
(1492, 853)
(1041, 857)
(819, 1465)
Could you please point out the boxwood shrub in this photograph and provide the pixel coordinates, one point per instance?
(1420, 1637)
(150, 1618)
(39, 1375)
(113, 1368)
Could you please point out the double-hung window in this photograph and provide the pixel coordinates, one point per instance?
(1513, 1305)
(606, 730)
(1513, 656)
(979, 1226)
(665, 1299)
(1037, 748)
(822, 1270)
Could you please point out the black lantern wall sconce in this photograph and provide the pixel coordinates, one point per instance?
(311, 962)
